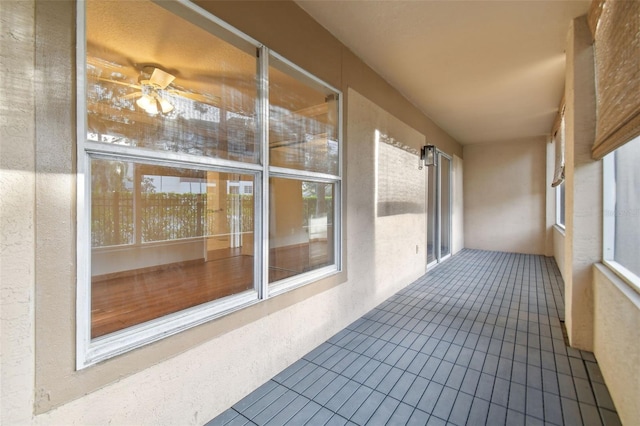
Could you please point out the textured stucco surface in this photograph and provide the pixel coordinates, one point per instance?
(616, 337)
(504, 196)
(583, 191)
(17, 233)
(457, 214)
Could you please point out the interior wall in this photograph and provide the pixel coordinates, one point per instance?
(505, 196)
(191, 376)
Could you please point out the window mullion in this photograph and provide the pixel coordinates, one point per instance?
(262, 257)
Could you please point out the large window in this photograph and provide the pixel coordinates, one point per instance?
(622, 211)
(209, 173)
(560, 202)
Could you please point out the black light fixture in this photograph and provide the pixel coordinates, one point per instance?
(427, 156)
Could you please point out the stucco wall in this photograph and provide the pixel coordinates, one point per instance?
(458, 205)
(615, 341)
(191, 376)
(504, 196)
(558, 249)
(583, 187)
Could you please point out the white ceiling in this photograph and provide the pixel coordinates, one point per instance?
(484, 71)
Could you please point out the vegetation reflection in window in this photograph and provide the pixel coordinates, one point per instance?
(204, 222)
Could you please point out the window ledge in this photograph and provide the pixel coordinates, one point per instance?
(561, 229)
(624, 279)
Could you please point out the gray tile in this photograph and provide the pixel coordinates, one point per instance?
(418, 418)
(403, 385)
(497, 415)
(417, 363)
(316, 387)
(478, 413)
(305, 415)
(517, 397)
(368, 407)
(603, 398)
(377, 376)
(445, 403)
(442, 374)
(288, 411)
(535, 406)
(485, 387)
(254, 396)
(225, 418)
(384, 412)
(552, 408)
(266, 401)
(577, 368)
(272, 409)
(401, 415)
(595, 375)
(330, 390)
(430, 397)
(500, 393)
(610, 418)
(515, 418)
(470, 381)
(349, 408)
(584, 391)
(571, 412)
(590, 415)
(389, 381)
(415, 392)
(430, 368)
(461, 409)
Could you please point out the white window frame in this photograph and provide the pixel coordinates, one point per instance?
(91, 351)
(609, 223)
(560, 205)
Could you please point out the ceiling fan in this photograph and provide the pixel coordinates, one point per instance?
(153, 84)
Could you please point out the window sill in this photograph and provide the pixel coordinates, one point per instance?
(561, 229)
(628, 278)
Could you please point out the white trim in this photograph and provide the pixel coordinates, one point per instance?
(142, 334)
(629, 278)
(287, 284)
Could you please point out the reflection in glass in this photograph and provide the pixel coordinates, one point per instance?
(303, 122)
(301, 227)
(626, 206)
(445, 205)
(165, 239)
(184, 91)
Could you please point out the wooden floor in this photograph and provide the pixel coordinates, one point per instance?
(124, 300)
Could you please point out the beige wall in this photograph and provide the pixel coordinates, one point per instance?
(615, 341)
(558, 249)
(505, 196)
(583, 187)
(192, 376)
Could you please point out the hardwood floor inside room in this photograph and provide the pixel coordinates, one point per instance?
(129, 298)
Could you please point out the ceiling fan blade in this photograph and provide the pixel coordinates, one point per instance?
(160, 78)
(132, 95)
(122, 83)
(202, 98)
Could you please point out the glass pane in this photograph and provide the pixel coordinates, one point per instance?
(431, 214)
(627, 206)
(303, 122)
(301, 236)
(189, 236)
(445, 206)
(157, 81)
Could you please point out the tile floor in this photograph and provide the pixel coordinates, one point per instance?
(478, 340)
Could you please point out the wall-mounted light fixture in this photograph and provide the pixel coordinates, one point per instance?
(427, 156)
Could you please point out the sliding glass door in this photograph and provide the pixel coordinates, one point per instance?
(439, 210)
